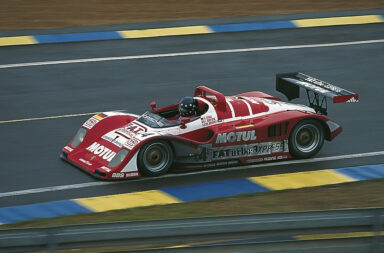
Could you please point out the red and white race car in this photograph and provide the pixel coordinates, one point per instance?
(211, 130)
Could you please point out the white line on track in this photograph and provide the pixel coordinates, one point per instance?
(30, 64)
(134, 57)
(52, 117)
(91, 184)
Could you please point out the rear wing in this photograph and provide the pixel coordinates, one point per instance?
(317, 91)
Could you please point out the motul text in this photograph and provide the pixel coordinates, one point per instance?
(103, 152)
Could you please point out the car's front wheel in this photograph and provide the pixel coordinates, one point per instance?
(155, 158)
(306, 139)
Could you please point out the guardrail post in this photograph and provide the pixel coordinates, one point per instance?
(377, 228)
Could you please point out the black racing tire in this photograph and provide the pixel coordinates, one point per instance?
(306, 138)
(155, 158)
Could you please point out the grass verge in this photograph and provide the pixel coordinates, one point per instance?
(39, 14)
(348, 195)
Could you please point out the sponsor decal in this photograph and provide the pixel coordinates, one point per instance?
(135, 128)
(85, 161)
(118, 175)
(324, 84)
(257, 160)
(122, 174)
(352, 100)
(126, 133)
(151, 119)
(244, 126)
(132, 174)
(265, 148)
(91, 122)
(269, 158)
(319, 86)
(113, 140)
(313, 87)
(208, 120)
(201, 154)
(132, 130)
(68, 148)
(134, 133)
(100, 116)
(236, 137)
(131, 143)
(101, 151)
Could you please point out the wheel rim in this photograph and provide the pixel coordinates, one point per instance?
(155, 157)
(307, 138)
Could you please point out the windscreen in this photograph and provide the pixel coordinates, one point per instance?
(156, 121)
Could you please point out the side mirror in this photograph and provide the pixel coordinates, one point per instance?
(184, 121)
(153, 105)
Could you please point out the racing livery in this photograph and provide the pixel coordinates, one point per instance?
(227, 130)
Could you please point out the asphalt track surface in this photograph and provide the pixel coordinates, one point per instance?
(29, 150)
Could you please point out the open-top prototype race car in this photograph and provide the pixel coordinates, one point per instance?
(209, 130)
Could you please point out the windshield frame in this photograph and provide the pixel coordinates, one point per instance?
(152, 120)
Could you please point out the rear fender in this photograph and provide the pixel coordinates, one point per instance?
(331, 129)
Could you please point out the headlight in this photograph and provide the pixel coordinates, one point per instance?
(79, 137)
(119, 157)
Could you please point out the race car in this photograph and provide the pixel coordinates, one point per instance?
(209, 130)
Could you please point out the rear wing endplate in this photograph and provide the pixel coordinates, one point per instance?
(317, 91)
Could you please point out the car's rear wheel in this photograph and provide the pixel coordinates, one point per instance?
(155, 158)
(306, 138)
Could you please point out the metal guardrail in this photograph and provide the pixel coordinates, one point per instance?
(261, 228)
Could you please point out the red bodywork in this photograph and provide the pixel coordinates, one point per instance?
(240, 129)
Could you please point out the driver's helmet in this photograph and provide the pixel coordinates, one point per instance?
(188, 107)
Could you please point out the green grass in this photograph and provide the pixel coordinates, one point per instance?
(348, 195)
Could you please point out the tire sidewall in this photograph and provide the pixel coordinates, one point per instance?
(141, 164)
(295, 152)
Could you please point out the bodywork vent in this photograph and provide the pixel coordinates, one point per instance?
(277, 130)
